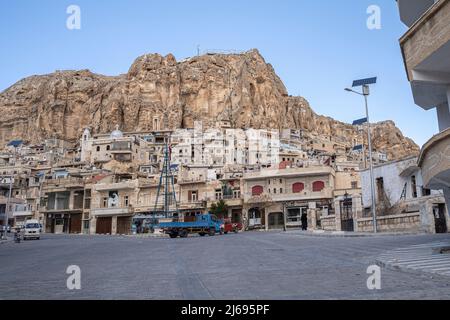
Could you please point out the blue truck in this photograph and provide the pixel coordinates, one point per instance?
(203, 224)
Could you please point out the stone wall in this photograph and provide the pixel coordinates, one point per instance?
(328, 222)
(409, 222)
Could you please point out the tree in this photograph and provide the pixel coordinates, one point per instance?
(220, 209)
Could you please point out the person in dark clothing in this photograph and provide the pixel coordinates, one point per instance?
(304, 222)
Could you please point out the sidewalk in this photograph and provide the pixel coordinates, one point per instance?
(347, 234)
(8, 239)
(432, 258)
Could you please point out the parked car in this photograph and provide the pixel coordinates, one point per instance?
(231, 226)
(32, 230)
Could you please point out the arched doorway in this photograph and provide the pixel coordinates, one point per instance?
(276, 220)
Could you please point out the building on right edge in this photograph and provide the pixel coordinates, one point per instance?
(426, 53)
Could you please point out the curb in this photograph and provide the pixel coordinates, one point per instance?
(342, 234)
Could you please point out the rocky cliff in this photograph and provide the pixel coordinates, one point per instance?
(240, 88)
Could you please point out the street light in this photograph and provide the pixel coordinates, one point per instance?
(364, 83)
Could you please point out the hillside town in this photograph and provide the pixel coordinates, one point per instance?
(308, 158)
(261, 179)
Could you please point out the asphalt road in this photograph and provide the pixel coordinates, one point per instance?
(252, 265)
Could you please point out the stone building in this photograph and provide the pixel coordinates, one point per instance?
(403, 202)
(62, 204)
(133, 149)
(426, 52)
(224, 146)
(113, 199)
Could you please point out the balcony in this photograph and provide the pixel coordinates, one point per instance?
(184, 181)
(27, 213)
(230, 201)
(326, 193)
(193, 205)
(426, 48)
(435, 161)
(112, 211)
(65, 183)
(117, 186)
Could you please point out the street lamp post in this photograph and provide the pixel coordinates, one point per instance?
(366, 92)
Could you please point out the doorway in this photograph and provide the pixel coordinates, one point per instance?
(276, 220)
(439, 218)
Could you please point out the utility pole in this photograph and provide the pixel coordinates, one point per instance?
(364, 83)
(366, 93)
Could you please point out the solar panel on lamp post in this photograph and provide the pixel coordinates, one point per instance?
(364, 83)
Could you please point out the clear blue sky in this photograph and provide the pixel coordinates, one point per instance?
(316, 47)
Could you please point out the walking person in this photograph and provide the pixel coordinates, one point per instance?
(304, 222)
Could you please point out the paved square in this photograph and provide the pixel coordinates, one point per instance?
(252, 265)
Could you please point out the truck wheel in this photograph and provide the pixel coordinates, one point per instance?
(212, 232)
(221, 231)
(202, 234)
(184, 234)
(173, 235)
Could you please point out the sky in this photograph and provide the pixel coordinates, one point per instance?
(316, 47)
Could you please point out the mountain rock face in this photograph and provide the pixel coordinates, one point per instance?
(158, 91)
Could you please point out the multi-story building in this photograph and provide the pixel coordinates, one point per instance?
(62, 204)
(426, 52)
(131, 148)
(277, 198)
(113, 199)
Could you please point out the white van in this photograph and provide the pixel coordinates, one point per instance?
(32, 230)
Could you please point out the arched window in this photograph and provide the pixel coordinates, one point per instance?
(318, 186)
(98, 148)
(298, 187)
(108, 148)
(257, 190)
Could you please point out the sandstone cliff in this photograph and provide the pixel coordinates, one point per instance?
(240, 88)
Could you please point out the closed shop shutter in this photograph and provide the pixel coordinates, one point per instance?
(75, 223)
(123, 225)
(104, 225)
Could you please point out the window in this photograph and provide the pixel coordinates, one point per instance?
(193, 196)
(298, 187)
(318, 186)
(426, 192)
(98, 148)
(281, 190)
(126, 201)
(354, 184)
(257, 190)
(414, 186)
(108, 148)
(104, 202)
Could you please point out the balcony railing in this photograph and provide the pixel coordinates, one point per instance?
(305, 195)
(112, 211)
(22, 213)
(65, 182)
